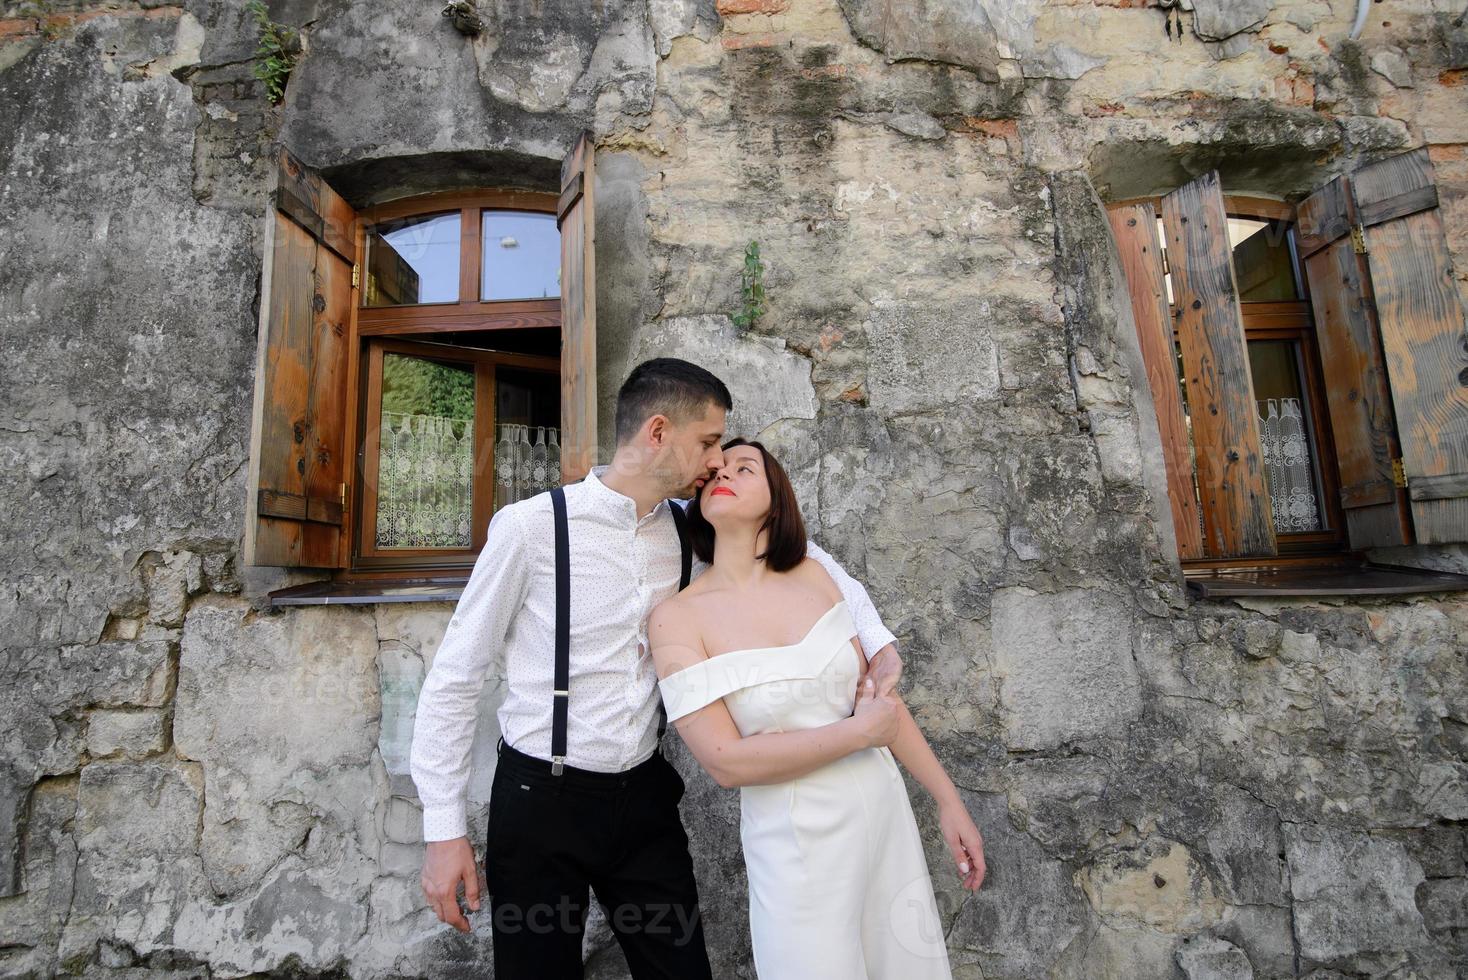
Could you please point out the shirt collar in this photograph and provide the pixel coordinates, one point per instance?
(615, 501)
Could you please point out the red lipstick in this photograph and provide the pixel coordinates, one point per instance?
(718, 490)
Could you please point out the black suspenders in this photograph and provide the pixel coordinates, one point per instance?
(680, 520)
(561, 688)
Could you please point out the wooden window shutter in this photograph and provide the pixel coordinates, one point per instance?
(296, 512)
(576, 219)
(1424, 336)
(1356, 387)
(1237, 520)
(1134, 230)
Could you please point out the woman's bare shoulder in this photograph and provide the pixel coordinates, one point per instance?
(674, 636)
(812, 573)
(672, 614)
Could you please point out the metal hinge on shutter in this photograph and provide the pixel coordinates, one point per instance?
(1358, 239)
(342, 494)
(356, 275)
(1399, 473)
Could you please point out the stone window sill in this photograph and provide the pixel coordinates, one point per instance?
(1344, 578)
(333, 593)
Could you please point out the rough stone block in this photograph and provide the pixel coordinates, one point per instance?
(404, 821)
(1157, 884)
(1211, 958)
(133, 734)
(403, 860)
(1355, 895)
(927, 359)
(1064, 664)
(768, 381)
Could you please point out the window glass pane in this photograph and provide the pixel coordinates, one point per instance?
(415, 260)
(527, 439)
(1264, 260)
(522, 256)
(1265, 264)
(425, 470)
(1291, 469)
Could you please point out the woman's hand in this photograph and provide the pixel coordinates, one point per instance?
(964, 843)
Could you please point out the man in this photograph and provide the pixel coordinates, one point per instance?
(603, 813)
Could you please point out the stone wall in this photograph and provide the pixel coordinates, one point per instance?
(195, 785)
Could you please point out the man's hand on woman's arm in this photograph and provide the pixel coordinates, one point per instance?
(770, 757)
(886, 669)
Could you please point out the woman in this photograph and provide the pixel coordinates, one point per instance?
(762, 641)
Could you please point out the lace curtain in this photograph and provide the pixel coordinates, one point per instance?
(425, 490)
(1287, 465)
(522, 467)
(425, 494)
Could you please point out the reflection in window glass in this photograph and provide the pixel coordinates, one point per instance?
(522, 256)
(1264, 260)
(1265, 264)
(413, 261)
(425, 491)
(1290, 468)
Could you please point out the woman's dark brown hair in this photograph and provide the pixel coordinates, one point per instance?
(785, 546)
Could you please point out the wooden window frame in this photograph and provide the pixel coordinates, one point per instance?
(1283, 320)
(410, 328)
(366, 554)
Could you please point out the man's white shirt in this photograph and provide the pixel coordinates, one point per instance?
(621, 567)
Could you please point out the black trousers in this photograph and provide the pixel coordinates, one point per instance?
(550, 837)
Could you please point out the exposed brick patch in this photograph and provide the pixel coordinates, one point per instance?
(830, 336)
(1003, 128)
(18, 28)
(23, 27)
(1293, 90)
(766, 40)
(1452, 77)
(1006, 130)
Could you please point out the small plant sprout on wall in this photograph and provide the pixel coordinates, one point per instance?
(277, 53)
(751, 288)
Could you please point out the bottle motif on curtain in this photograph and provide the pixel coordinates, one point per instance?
(523, 485)
(537, 462)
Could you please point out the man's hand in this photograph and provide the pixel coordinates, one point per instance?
(877, 714)
(446, 865)
(886, 669)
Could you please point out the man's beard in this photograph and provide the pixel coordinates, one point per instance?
(687, 492)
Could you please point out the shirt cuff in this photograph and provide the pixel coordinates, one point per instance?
(444, 822)
(874, 638)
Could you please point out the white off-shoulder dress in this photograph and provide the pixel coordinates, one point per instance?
(838, 885)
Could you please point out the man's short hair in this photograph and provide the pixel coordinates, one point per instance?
(666, 386)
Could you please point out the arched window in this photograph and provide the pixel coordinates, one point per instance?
(460, 315)
(422, 362)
